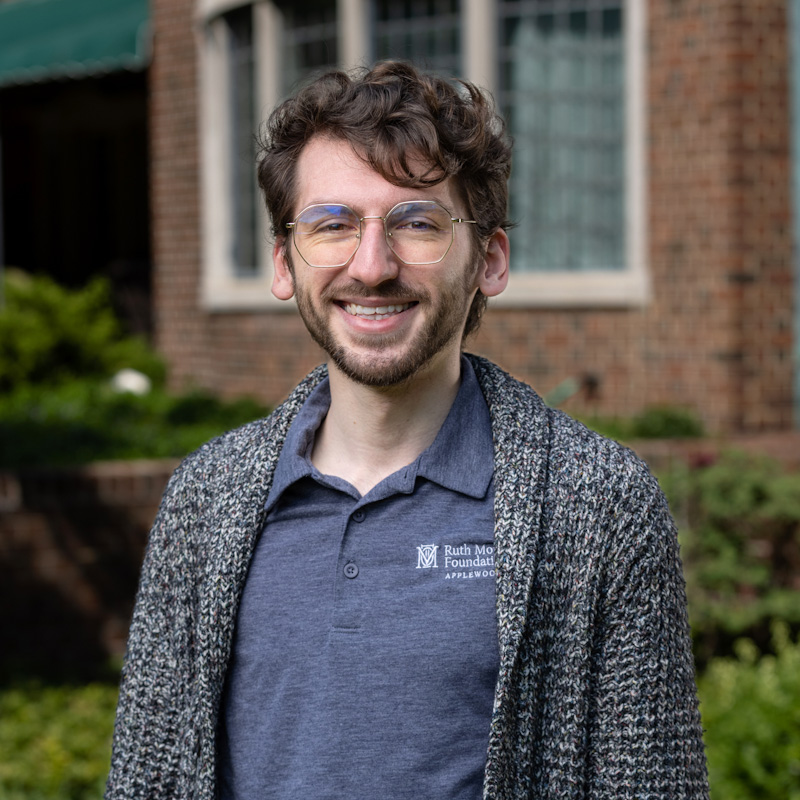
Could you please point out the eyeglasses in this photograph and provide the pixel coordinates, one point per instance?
(327, 235)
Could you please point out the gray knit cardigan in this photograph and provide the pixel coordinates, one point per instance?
(595, 696)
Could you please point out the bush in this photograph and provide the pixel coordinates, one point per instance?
(55, 742)
(665, 422)
(58, 350)
(82, 421)
(740, 542)
(656, 422)
(751, 711)
(49, 334)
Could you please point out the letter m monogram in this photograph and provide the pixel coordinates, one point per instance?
(426, 556)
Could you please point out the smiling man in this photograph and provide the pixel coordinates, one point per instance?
(413, 580)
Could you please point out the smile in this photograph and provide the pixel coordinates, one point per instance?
(376, 312)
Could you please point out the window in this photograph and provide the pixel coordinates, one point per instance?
(309, 41)
(426, 32)
(245, 256)
(570, 85)
(563, 96)
(567, 74)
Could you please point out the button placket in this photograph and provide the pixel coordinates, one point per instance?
(349, 599)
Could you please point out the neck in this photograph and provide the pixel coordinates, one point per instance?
(371, 432)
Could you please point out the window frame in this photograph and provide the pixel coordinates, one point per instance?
(222, 290)
(629, 286)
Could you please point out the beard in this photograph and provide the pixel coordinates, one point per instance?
(381, 365)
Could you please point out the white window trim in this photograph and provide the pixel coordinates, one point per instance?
(222, 290)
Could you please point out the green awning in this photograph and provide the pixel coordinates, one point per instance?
(48, 39)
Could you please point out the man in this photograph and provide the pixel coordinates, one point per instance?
(413, 580)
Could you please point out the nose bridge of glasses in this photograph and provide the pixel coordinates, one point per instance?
(362, 220)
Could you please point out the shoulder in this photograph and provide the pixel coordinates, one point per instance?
(587, 459)
(240, 455)
(577, 464)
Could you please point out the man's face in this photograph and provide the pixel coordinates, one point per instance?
(381, 321)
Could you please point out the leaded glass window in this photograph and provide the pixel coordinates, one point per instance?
(309, 41)
(241, 76)
(563, 93)
(427, 32)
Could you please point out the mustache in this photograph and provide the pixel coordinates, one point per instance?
(394, 289)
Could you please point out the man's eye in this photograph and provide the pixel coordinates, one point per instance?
(332, 227)
(420, 225)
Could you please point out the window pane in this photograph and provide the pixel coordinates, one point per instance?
(427, 32)
(242, 114)
(309, 41)
(562, 90)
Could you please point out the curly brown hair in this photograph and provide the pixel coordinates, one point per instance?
(414, 129)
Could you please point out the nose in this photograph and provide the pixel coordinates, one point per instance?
(374, 263)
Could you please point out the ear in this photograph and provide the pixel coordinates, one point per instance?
(493, 272)
(282, 279)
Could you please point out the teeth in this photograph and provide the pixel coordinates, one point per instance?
(373, 312)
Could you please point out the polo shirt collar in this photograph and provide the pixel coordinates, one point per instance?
(460, 458)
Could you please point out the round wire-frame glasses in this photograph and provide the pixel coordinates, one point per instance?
(328, 235)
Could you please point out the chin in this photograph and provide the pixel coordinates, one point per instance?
(378, 372)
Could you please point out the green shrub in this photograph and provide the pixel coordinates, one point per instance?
(49, 334)
(665, 422)
(58, 350)
(656, 422)
(740, 542)
(55, 742)
(751, 712)
(81, 421)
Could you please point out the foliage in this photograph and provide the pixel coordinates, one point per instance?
(656, 422)
(665, 422)
(58, 350)
(49, 334)
(740, 539)
(751, 712)
(55, 741)
(81, 421)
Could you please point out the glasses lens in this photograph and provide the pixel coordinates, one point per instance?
(326, 235)
(420, 232)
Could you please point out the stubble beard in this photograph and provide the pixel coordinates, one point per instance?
(379, 366)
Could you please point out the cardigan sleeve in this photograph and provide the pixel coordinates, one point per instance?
(153, 702)
(644, 726)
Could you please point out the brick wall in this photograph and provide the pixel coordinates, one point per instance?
(71, 543)
(717, 336)
(181, 330)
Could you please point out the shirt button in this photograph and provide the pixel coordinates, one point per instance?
(359, 516)
(350, 570)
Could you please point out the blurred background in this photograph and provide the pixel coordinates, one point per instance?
(655, 294)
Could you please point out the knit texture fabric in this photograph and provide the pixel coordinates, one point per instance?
(595, 696)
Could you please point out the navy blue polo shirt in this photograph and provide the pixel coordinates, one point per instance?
(365, 655)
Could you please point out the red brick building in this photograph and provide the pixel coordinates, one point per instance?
(653, 257)
(698, 313)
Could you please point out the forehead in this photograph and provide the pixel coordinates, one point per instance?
(329, 171)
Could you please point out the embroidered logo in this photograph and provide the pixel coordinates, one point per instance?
(426, 556)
